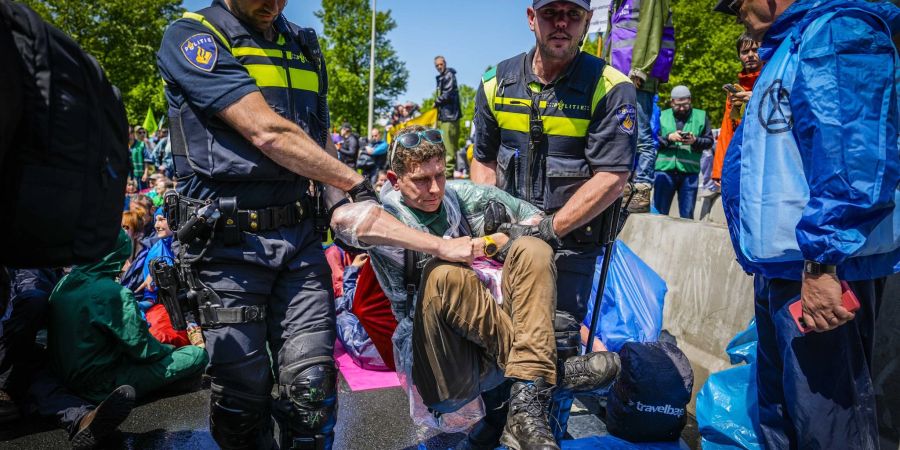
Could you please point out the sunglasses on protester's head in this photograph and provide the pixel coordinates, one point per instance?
(413, 139)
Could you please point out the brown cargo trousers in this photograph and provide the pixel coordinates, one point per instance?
(462, 338)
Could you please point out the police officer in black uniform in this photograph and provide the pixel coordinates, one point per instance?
(249, 125)
(556, 127)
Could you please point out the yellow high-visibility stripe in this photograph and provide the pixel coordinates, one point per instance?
(564, 126)
(512, 121)
(490, 91)
(275, 76)
(609, 79)
(512, 101)
(553, 125)
(266, 52)
(199, 18)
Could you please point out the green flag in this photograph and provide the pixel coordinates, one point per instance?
(150, 122)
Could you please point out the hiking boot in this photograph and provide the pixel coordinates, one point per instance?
(640, 203)
(104, 419)
(589, 372)
(8, 409)
(527, 426)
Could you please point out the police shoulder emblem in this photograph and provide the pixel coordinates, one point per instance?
(201, 51)
(627, 116)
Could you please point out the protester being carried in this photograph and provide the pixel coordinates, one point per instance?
(97, 340)
(457, 328)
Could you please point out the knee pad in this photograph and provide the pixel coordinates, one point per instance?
(307, 403)
(238, 420)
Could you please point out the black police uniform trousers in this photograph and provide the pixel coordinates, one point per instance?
(285, 271)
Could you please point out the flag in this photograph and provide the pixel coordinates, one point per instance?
(426, 119)
(150, 122)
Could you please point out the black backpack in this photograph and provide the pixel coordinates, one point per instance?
(62, 180)
(648, 402)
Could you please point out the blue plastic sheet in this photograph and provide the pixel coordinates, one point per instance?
(632, 306)
(727, 403)
(614, 443)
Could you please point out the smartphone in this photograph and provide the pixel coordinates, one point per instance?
(730, 88)
(848, 300)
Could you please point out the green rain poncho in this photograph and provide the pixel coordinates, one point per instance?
(98, 341)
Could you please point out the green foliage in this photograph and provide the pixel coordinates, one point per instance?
(705, 57)
(348, 29)
(124, 36)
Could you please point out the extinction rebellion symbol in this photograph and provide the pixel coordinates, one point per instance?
(775, 109)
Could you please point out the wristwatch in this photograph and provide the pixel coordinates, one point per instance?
(490, 247)
(814, 268)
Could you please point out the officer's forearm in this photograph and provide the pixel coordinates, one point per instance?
(285, 143)
(589, 201)
(484, 173)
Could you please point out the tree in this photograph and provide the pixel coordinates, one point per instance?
(705, 56)
(348, 29)
(123, 35)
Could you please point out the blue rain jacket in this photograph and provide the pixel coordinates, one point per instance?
(828, 193)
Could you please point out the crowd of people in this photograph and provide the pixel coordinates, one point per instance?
(472, 290)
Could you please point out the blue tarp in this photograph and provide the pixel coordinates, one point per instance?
(727, 403)
(632, 305)
(614, 443)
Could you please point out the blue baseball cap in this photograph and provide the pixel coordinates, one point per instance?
(585, 4)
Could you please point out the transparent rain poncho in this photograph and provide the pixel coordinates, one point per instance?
(465, 204)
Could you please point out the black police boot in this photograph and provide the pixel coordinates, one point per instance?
(527, 427)
(104, 419)
(589, 372)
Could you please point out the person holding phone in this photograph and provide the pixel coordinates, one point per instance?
(809, 186)
(683, 135)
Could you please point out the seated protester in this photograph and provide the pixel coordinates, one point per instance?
(456, 341)
(380, 179)
(157, 194)
(155, 313)
(97, 340)
(24, 376)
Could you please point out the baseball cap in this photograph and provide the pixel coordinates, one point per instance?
(681, 92)
(586, 4)
(724, 6)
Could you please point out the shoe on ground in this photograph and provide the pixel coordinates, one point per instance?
(527, 425)
(589, 372)
(8, 409)
(104, 419)
(640, 203)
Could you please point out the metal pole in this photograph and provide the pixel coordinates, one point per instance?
(372, 72)
(604, 271)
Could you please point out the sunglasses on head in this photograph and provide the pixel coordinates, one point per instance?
(413, 139)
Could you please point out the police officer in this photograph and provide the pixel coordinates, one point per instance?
(556, 127)
(249, 120)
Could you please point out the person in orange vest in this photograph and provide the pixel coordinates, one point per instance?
(734, 110)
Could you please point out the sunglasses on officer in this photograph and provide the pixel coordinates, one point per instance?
(413, 139)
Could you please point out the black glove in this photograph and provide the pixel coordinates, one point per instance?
(543, 231)
(363, 192)
(495, 215)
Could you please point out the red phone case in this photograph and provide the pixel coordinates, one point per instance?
(848, 300)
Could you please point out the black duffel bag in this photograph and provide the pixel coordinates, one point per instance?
(648, 402)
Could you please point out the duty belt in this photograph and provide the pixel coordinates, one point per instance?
(252, 220)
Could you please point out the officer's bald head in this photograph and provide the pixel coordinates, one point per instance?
(259, 14)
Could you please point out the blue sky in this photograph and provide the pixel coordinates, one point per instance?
(471, 34)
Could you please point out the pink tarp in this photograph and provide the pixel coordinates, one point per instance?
(360, 379)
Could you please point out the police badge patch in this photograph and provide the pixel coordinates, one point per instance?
(627, 118)
(201, 51)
